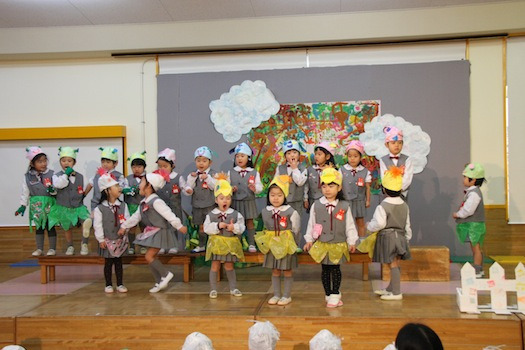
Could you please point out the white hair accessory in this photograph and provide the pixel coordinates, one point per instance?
(325, 340)
(263, 336)
(197, 341)
(13, 347)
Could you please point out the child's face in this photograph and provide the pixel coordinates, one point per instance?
(241, 160)
(276, 197)
(394, 147)
(330, 191)
(66, 162)
(354, 158)
(162, 164)
(145, 188)
(223, 202)
(114, 192)
(320, 157)
(137, 169)
(202, 163)
(291, 155)
(467, 182)
(108, 164)
(40, 164)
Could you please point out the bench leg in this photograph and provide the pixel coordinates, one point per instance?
(186, 277)
(51, 273)
(43, 274)
(365, 271)
(192, 271)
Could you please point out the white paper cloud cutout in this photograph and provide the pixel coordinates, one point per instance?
(244, 107)
(416, 142)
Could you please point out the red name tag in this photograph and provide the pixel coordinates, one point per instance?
(282, 222)
(175, 189)
(360, 182)
(80, 190)
(121, 218)
(251, 180)
(205, 185)
(47, 182)
(145, 207)
(340, 215)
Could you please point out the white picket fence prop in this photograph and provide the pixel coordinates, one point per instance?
(467, 295)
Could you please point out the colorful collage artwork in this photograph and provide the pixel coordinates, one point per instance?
(309, 124)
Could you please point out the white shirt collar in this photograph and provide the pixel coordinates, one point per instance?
(173, 174)
(358, 168)
(325, 201)
(394, 200)
(218, 211)
(281, 208)
(106, 203)
(150, 197)
(238, 168)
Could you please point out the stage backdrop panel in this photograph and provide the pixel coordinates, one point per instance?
(432, 95)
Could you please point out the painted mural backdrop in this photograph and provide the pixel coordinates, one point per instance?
(309, 124)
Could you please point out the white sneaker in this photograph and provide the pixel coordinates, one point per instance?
(252, 249)
(84, 250)
(143, 250)
(334, 301)
(108, 289)
(213, 294)
(131, 251)
(155, 288)
(381, 292)
(37, 252)
(274, 300)
(173, 251)
(122, 289)
(70, 250)
(480, 274)
(284, 301)
(391, 296)
(198, 249)
(162, 251)
(236, 293)
(51, 252)
(165, 280)
(86, 227)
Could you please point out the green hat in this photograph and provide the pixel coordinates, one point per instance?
(67, 152)
(137, 155)
(109, 153)
(474, 171)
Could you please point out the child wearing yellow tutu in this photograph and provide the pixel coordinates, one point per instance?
(224, 226)
(277, 242)
(332, 228)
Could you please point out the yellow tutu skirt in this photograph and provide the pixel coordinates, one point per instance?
(280, 245)
(335, 251)
(368, 244)
(220, 245)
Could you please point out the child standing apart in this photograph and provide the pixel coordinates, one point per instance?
(282, 224)
(38, 192)
(171, 192)
(332, 228)
(394, 143)
(356, 184)
(131, 189)
(323, 157)
(392, 222)
(470, 217)
(109, 215)
(108, 162)
(159, 220)
(200, 185)
(224, 225)
(70, 208)
(246, 183)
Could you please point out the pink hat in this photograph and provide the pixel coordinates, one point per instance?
(168, 154)
(32, 152)
(357, 145)
(392, 134)
(329, 146)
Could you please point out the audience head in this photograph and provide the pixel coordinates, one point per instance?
(325, 340)
(197, 341)
(263, 336)
(416, 336)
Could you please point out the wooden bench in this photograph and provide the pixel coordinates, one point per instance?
(48, 263)
(428, 263)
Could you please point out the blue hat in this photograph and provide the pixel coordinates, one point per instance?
(244, 149)
(203, 151)
(290, 145)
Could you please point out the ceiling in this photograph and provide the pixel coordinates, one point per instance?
(52, 13)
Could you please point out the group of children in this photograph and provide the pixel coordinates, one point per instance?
(223, 208)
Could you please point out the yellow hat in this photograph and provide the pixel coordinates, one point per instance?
(222, 186)
(393, 179)
(283, 182)
(330, 175)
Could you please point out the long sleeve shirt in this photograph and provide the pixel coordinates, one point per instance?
(212, 228)
(379, 219)
(160, 207)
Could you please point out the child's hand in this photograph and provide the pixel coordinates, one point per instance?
(230, 226)
(367, 203)
(351, 248)
(193, 174)
(251, 187)
(203, 176)
(234, 189)
(455, 215)
(189, 191)
(69, 171)
(183, 230)
(102, 245)
(306, 204)
(294, 163)
(21, 210)
(121, 231)
(307, 246)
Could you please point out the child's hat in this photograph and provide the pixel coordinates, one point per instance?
(67, 152)
(329, 146)
(222, 186)
(168, 154)
(283, 182)
(290, 145)
(137, 155)
(474, 171)
(203, 151)
(32, 152)
(392, 134)
(106, 180)
(158, 179)
(197, 341)
(109, 153)
(330, 175)
(357, 145)
(393, 179)
(263, 336)
(242, 148)
(325, 340)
